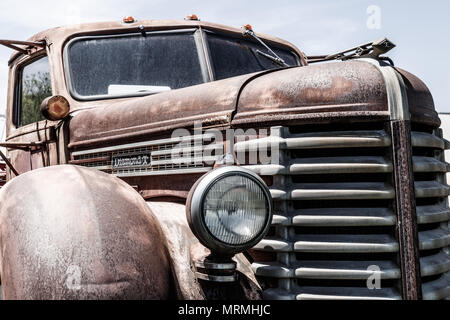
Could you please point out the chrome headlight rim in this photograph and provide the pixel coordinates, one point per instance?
(195, 207)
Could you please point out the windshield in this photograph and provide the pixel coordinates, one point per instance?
(146, 63)
(235, 56)
(133, 64)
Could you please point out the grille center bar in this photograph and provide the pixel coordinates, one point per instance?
(406, 210)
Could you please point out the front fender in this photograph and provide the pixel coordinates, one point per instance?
(68, 232)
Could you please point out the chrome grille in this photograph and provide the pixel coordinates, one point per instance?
(433, 213)
(334, 218)
(188, 154)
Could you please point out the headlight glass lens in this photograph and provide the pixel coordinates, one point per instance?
(235, 209)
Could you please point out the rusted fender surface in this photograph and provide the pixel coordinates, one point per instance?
(329, 90)
(68, 232)
(172, 217)
(420, 100)
(184, 249)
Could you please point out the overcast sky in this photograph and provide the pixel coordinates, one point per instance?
(420, 29)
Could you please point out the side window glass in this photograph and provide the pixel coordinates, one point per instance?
(35, 86)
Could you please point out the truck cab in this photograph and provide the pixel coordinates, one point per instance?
(119, 133)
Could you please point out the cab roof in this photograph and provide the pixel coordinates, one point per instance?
(64, 33)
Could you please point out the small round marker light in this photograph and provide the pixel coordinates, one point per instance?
(55, 108)
(247, 27)
(128, 19)
(192, 17)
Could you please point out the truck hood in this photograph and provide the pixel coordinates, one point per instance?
(211, 103)
(320, 92)
(339, 91)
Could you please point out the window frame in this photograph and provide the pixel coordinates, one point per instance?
(18, 85)
(68, 70)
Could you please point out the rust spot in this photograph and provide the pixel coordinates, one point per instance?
(57, 108)
(339, 86)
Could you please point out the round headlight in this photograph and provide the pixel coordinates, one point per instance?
(229, 209)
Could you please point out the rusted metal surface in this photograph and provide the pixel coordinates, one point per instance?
(421, 105)
(211, 103)
(31, 134)
(15, 45)
(184, 248)
(21, 145)
(29, 146)
(349, 89)
(79, 234)
(177, 186)
(320, 91)
(406, 210)
(179, 237)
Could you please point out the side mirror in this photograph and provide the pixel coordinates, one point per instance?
(55, 108)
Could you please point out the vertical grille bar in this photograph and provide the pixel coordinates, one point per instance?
(406, 210)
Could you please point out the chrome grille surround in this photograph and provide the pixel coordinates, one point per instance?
(178, 155)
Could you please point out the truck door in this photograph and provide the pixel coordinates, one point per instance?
(32, 84)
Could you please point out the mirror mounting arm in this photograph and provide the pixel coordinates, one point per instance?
(8, 163)
(14, 44)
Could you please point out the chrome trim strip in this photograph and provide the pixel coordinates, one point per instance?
(437, 289)
(331, 293)
(162, 172)
(427, 140)
(331, 139)
(145, 144)
(216, 265)
(183, 150)
(395, 89)
(209, 277)
(328, 270)
(185, 160)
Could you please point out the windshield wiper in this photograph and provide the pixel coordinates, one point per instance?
(275, 60)
(248, 31)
